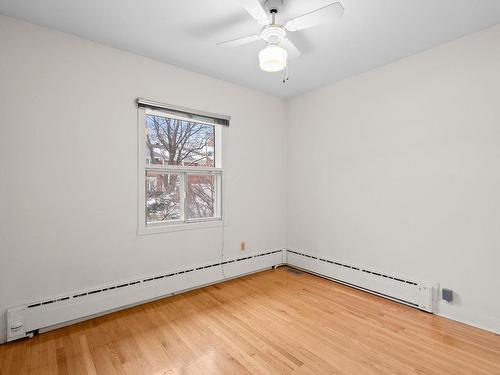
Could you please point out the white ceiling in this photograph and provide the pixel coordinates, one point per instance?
(184, 33)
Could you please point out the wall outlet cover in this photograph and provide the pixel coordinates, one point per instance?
(447, 294)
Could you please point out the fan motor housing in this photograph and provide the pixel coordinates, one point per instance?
(273, 33)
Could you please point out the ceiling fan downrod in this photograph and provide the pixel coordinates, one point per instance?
(273, 16)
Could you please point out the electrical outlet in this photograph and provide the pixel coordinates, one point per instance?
(243, 246)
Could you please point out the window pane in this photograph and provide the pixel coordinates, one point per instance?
(163, 197)
(201, 196)
(177, 142)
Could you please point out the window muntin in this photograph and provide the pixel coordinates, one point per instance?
(181, 159)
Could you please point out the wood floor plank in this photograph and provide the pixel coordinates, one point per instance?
(274, 322)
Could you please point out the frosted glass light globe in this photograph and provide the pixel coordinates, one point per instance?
(273, 58)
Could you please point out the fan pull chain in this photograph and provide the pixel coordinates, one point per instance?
(285, 74)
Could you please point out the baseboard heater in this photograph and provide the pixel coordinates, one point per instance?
(393, 287)
(23, 320)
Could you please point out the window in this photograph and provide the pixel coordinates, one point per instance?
(180, 171)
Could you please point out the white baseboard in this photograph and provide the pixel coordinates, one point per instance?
(486, 323)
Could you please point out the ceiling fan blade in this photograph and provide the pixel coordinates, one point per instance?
(240, 41)
(293, 51)
(256, 10)
(316, 17)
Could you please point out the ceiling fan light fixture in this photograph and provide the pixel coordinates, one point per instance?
(273, 58)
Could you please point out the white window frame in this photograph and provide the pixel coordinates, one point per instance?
(185, 224)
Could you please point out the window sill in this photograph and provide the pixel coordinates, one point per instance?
(154, 229)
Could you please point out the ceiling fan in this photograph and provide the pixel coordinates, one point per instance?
(273, 58)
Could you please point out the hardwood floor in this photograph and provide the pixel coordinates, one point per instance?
(274, 322)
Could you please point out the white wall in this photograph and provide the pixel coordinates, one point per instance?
(395, 169)
(398, 169)
(68, 166)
